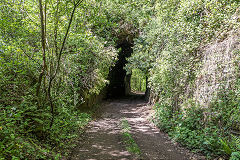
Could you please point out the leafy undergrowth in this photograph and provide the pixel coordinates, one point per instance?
(180, 48)
(131, 145)
(210, 135)
(32, 138)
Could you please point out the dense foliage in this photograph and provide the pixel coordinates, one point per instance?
(56, 54)
(138, 81)
(171, 49)
(51, 61)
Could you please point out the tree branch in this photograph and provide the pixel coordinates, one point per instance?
(59, 59)
(43, 48)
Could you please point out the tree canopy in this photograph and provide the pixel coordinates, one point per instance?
(56, 55)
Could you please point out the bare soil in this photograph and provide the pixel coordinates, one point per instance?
(103, 138)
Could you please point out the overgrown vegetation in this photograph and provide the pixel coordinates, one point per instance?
(56, 55)
(51, 61)
(200, 131)
(196, 91)
(138, 81)
(131, 145)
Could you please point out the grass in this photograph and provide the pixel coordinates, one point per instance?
(131, 145)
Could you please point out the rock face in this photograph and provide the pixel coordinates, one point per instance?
(218, 69)
(119, 83)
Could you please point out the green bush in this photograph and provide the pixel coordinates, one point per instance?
(45, 123)
(192, 127)
(163, 116)
(24, 130)
(170, 50)
(188, 128)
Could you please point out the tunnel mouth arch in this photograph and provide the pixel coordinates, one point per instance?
(119, 80)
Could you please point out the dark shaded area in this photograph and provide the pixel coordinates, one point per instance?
(119, 82)
(119, 86)
(135, 96)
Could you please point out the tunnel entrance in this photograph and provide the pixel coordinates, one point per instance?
(119, 81)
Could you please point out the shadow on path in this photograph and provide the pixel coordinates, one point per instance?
(103, 138)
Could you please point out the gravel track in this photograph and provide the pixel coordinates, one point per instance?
(103, 139)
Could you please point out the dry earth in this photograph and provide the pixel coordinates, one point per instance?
(103, 139)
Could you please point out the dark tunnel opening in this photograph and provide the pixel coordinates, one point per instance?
(119, 81)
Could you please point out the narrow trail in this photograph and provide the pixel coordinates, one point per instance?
(103, 139)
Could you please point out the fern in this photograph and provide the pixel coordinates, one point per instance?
(235, 156)
(226, 146)
(236, 142)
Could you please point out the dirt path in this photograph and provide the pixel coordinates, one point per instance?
(103, 138)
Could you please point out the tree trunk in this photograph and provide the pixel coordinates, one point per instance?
(44, 66)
